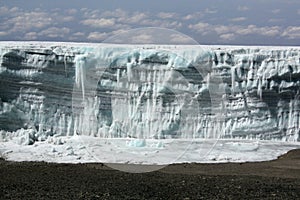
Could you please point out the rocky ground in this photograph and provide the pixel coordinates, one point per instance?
(278, 179)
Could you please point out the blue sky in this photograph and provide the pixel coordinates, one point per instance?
(251, 22)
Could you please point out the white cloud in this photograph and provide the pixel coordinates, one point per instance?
(14, 9)
(98, 36)
(292, 32)
(59, 18)
(67, 18)
(166, 15)
(55, 32)
(134, 19)
(265, 31)
(196, 15)
(229, 32)
(172, 24)
(270, 31)
(92, 14)
(238, 19)
(161, 23)
(227, 37)
(83, 9)
(243, 8)
(2, 33)
(143, 39)
(52, 10)
(5, 11)
(79, 34)
(119, 31)
(276, 11)
(224, 29)
(181, 39)
(31, 36)
(246, 30)
(99, 23)
(28, 21)
(188, 17)
(118, 13)
(72, 11)
(117, 19)
(274, 20)
(200, 27)
(210, 11)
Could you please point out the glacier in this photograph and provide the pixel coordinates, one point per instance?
(50, 91)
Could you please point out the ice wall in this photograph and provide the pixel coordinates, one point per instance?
(148, 91)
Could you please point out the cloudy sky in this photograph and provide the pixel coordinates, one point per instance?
(248, 22)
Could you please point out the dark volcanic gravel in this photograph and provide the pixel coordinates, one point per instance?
(279, 179)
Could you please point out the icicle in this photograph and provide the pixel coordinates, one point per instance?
(75, 125)
(82, 81)
(1, 55)
(1, 58)
(259, 89)
(290, 120)
(80, 74)
(129, 71)
(70, 123)
(208, 80)
(77, 72)
(233, 80)
(65, 63)
(118, 75)
(298, 120)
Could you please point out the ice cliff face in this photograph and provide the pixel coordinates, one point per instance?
(148, 91)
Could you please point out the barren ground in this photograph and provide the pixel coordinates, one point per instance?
(278, 179)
